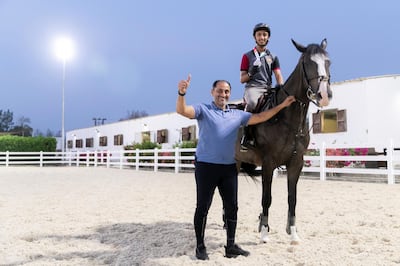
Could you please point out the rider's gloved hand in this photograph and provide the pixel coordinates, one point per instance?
(255, 68)
(278, 87)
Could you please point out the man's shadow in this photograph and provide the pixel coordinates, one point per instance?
(125, 244)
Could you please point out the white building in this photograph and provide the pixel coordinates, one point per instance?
(166, 129)
(363, 111)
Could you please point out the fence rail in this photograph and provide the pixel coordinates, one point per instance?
(353, 160)
(322, 160)
(176, 159)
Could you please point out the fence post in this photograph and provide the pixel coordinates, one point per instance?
(87, 158)
(7, 158)
(137, 159)
(155, 159)
(41, 159)
(121, 157)
(108, 158)
(177, 156)
(77, 158)
(322, 159)
(389, 163)
(69, 158)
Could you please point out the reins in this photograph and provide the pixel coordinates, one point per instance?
(311, 96)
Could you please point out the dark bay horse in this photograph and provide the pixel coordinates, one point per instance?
(284, 140)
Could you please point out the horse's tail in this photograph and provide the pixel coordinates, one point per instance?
(251, 170)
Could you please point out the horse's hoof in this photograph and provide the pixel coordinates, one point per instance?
(264, 234)
(294, 238)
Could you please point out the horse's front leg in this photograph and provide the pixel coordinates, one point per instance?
(293, 173)
(263, 227)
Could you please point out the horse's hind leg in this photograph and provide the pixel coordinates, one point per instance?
(263, 227)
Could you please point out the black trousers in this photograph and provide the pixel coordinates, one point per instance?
(209, 177)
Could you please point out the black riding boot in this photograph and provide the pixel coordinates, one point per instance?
(247, 140)
(223, 218)
(233, 250)
(199, 229)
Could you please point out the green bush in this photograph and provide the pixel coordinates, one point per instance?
(145, 145)
(187, 144)
(27, 144)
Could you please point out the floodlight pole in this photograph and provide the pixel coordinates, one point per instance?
(63, 110)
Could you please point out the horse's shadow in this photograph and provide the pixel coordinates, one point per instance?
(124, 244)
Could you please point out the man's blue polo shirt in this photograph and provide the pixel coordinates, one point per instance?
(218, 132)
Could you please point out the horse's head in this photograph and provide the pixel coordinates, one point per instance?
(315, 63)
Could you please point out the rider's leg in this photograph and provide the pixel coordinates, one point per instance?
(251, 98)
(247, 140)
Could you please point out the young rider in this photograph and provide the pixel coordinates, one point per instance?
(256, 71)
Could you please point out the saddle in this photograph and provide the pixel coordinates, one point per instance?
(239, 106)
(267, 101)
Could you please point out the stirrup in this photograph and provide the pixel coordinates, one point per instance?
(243, 148)
(246, 144)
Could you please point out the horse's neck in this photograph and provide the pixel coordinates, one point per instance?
(296, 86)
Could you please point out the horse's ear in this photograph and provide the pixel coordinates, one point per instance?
(324, 43)
(299, 47)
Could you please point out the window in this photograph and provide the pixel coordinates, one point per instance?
(103, 141)
(189, 133)
(330, 121)
(89, 143)
(69, 144)
(146, 136)
(342, 121)
(79, 143)
(118, 140)
(162, 136)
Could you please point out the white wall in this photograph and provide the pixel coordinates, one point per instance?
(132, 129)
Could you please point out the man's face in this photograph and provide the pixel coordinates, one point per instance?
(221, 94)
(261, 37)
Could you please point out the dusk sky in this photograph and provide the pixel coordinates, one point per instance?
(130, 55)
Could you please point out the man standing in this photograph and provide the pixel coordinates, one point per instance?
(215, 165)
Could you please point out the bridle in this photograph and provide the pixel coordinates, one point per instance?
(310, 93)
(311, 96)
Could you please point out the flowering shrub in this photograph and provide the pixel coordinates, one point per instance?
(310, 152)
(164, 154)
(339, 152)
(346, 152)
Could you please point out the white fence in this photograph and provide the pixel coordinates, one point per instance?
(177, 159)
(319, 160)
(344, 159)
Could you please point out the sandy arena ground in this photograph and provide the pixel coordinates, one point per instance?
(99, 216)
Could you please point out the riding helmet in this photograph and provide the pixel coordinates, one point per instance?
(261, 26)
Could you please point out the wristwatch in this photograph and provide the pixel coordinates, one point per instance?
(181, 94)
